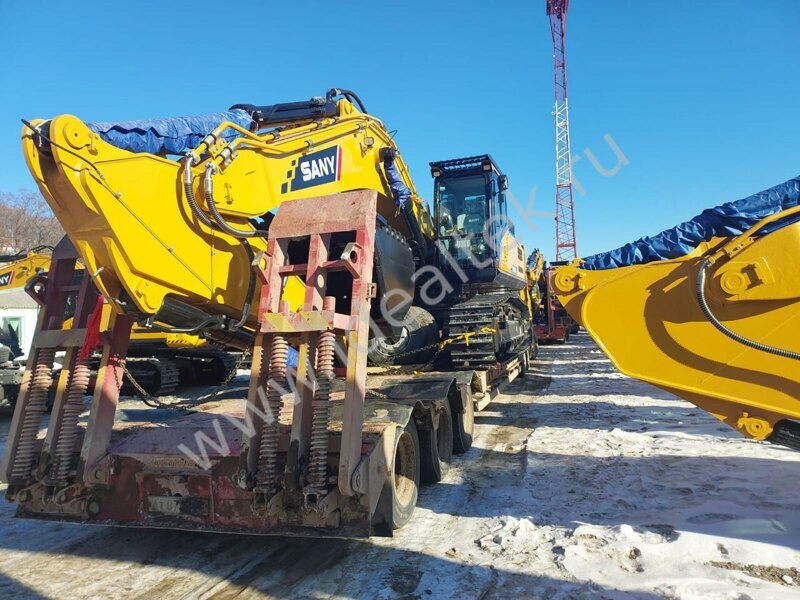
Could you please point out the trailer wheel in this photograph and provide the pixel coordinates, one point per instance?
(463, 424)
(436, 445)
(405, 475)
(415, 344)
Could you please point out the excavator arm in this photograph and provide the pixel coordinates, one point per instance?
(177, 241)
(17, 269)
(718, 326)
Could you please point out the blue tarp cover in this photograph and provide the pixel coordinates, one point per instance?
(292, 357)
(400, 190)
(175, 135)
(728, 220)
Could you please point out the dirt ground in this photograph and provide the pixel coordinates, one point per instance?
(581, 483)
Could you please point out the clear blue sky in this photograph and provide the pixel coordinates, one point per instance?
(703, 98)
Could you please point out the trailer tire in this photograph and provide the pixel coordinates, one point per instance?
(436, 445)
(463, 425)
(405, 476)
(420, 333)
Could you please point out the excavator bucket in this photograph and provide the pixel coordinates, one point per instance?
(719, 326)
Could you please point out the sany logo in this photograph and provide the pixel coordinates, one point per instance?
(318, 168)
(6, 279)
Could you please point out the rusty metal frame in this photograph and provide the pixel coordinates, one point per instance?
(353, 212)
(104, 401)
(41, 458)
(51, 292)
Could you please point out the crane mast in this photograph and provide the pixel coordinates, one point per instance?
(566, 248)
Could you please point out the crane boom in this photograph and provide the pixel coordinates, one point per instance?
(566, 247)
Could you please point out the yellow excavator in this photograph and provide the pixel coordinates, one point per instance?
(536, 267)
(708, 310)
(293, 225)
(157, 362)
(15, 270)
(145, 253)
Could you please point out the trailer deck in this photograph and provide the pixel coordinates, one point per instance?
(178, 471)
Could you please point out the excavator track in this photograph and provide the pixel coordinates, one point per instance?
(160, 373)
(204, 367)
(786, 433)
(476, 328)
(157, 376)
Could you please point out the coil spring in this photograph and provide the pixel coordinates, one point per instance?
(68, 434)
(268, 450)
(35, 406)
(318, 463)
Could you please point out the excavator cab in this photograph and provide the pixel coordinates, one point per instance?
(470, 215)
(484, 312)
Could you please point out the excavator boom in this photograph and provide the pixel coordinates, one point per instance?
(151, 246)
(717, 324)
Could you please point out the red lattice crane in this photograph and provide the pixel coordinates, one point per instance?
(566, 247)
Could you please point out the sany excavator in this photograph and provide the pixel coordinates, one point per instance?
(267, 227)
(15, 270)
(708, 310)
(157, 362)
(537, 284)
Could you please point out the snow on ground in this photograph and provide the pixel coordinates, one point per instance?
(582, 483)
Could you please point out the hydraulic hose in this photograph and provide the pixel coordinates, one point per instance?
(349, 94)
(24, 253)
(251, 287)
(187, 187)
(220, 221)
(196, 330)
(241, 234)
(220, 224)
(701, 299)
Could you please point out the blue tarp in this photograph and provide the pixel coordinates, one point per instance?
(728, 220)
(400, 190)
(175, 135)
(292, 357)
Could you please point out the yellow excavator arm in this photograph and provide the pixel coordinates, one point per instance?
(719, 326)
(141, 221)
(18, 271)
(535, 271)
(15, 271)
